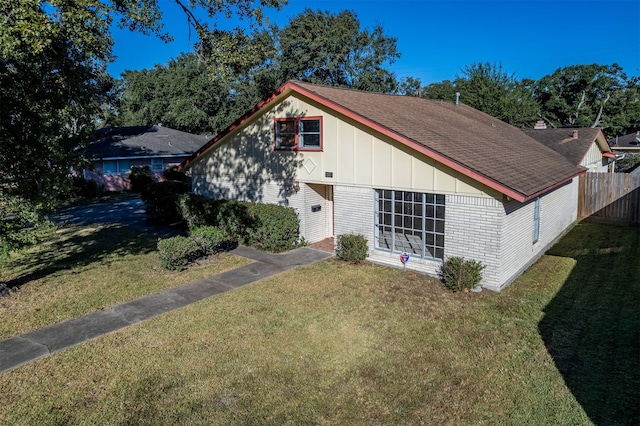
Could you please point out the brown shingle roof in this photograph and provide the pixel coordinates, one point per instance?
(563, 142)
(475, 141)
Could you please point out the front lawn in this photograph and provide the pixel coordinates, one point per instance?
(84, 269)
(334, 343)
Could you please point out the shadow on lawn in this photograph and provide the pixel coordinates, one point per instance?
(591, 327)
(81, 249)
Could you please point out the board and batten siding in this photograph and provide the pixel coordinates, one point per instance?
(352, 155)
(593, 160)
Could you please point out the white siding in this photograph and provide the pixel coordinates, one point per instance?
(594, 161)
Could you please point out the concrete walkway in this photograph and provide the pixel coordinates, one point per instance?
(30, 346)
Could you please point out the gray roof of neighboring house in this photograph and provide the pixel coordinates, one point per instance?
(143, 141)
(630, 140)
(563, 141)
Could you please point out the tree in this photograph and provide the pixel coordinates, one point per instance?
(490, 89)
(589, 96)
(188, 94)
(53, 83)
(444, 90)
(331, 49)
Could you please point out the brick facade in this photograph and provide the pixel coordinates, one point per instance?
(499, 234)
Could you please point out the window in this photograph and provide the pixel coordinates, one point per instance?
(157, 165)
(299, 133)
(115, 166)
(536, 220)
(410, 222)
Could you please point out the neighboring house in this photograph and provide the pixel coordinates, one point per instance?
(587, 147)
(629, 143)
(121, 148)
(430, 178)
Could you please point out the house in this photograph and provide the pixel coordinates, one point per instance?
(425, 177)
(587, 147)
(118, 149)
(629, 143)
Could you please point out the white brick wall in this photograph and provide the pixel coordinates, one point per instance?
(353, 211)
(484, 229)
(558, 210)
(472, 230)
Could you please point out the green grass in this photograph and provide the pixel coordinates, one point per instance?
(335, 343)
(84, 269)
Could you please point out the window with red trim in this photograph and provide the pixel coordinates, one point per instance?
(299, 133)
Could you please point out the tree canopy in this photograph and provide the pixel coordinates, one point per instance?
(53, 56)
(315, 46)
(331, 49)
(589, 96)
(574, 96)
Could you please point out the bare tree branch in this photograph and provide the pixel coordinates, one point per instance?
(597, 121)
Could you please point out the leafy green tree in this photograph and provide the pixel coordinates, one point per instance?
(182, 95)
(410, 86)
(491, 89)
(331, 49)
(590, 96)
(444, 90)
(53, 85)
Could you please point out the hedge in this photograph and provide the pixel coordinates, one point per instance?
(269, 227)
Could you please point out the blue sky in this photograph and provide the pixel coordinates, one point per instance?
(438, 38)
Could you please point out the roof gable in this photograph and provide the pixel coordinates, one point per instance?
(473, 143)
(571, 143)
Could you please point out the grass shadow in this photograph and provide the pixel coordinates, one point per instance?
(78, 247)
(591, 326)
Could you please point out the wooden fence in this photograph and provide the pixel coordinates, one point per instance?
(610, 197)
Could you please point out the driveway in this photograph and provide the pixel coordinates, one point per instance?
(125, 212)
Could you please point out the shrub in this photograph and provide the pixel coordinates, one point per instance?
(175, 253)
(192, 209)
(352, 247)
(272, 228)
(86, 188)
(161, 199)
(140, 178)
(459, 274)
(172, 173)
(210, 239)
(265, 226)
(233, 218)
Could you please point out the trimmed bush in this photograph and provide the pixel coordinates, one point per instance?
(267, 227)
(140, 178)
(273, 228)
(161, 199)
(459, 274)
(210, 239)
(177, 252)
(352, 247)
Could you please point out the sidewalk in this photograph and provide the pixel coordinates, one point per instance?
(30, 346)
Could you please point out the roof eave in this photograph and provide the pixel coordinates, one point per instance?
(291, 86)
